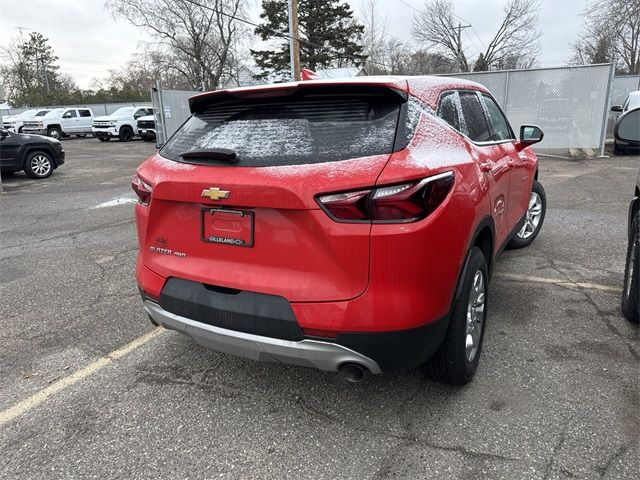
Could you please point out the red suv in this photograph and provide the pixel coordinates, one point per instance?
(350, 226)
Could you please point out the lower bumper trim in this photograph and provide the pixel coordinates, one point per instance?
(307, 353)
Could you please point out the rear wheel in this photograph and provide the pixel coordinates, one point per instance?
(534, 218)
(631, 290)
(38, 165)
(456, 360)
(126, 134)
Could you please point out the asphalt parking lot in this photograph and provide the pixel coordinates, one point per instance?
(89, 389)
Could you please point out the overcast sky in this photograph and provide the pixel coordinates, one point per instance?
(89, 42)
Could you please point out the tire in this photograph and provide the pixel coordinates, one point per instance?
(54, 132)
(104, 139)
(126, 134)
(454, 362)
(631, 290)
(38, 165)
(532, 223)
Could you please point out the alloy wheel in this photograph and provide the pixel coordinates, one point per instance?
(475, 316)
(630, 269)
(532, 218)
(40, 165)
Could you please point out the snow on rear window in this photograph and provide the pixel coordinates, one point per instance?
(311, 129)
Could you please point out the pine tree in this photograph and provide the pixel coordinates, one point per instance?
(329, 36)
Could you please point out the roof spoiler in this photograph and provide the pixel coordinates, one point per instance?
(202, 101)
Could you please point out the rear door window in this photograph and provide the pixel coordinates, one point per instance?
(304, 129)
(476, 122)
(85, 113)
(448, 110)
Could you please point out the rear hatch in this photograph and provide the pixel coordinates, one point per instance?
(233, 202)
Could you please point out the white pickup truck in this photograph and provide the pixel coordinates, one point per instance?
(61, 122)
(14, 123)
(121, 124)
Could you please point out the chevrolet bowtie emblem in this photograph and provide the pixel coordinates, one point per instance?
(214, 193)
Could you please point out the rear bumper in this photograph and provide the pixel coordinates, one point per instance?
(264, 327)
(306, 352)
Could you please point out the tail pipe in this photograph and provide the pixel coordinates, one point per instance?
(352, 372)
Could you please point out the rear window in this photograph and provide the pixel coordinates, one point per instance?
(293, 131)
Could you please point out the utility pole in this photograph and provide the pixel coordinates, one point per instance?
(294, 40)
(460, 53)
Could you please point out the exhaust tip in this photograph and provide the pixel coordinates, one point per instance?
(352, 372)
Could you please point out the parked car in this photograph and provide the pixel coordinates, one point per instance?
(61, 122)
(632, 102)
(348, 226)
(147, 128)
(627, 131)
(38, 156)
(15, 123)
(121, 124)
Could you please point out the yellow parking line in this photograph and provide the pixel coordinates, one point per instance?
(559, 282)
(36, 399)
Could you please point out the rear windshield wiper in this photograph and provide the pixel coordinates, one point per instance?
(221, 154)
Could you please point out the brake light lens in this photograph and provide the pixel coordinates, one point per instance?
(402, 203)
(142, 189)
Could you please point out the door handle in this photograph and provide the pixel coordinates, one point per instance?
(486, 167)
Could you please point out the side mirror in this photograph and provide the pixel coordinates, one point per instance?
(616, 108)
(627, 127)
(66, 115)
(530, 134)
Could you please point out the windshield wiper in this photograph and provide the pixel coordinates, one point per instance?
(221, 154)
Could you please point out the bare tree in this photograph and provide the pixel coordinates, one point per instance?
(517, 38)
(437, 27)
(198, 35)
(611, 34)
(374, 38)
(516, 41)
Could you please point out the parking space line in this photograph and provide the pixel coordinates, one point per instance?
(115, 202)
(38, 398)
(559, 282)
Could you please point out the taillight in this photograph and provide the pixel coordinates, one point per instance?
(403, 203)
(142, 189)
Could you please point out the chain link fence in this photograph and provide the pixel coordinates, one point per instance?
(570, 104)
(620, 88)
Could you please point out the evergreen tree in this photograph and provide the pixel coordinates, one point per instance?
(329, 36)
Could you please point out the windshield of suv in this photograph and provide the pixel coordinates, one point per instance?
(304, 129)
(123, 112)
(56, 112)
(42, 113)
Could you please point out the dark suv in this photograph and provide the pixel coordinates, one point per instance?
(38, 156)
